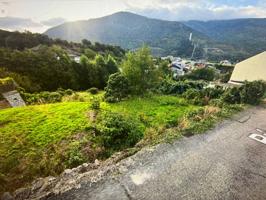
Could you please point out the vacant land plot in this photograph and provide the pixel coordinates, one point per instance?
(36, 140)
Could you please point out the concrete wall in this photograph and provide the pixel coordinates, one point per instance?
(14, 99)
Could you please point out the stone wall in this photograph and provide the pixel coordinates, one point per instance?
(14, 98)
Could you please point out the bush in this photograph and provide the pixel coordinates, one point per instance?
(178, 87)
(252, 92)
(249, 92)
(117, 88)
(74, 155)
(207, 74)
(93, 90)
(69, 92)
(225, 77)
(61, 91)
(53, 97)
(95, 104)
(213, 93)
(40, 98)
(202, 97)
(192, 94)
(117, 131)
(232, 95)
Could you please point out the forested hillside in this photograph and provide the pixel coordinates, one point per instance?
(38, 63)
(235, 39)
(131, 31)
(248, 35)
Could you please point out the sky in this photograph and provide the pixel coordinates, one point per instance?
(39, 15)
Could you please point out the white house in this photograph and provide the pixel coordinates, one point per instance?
(226, 63)
(178, 68)
(251, 69)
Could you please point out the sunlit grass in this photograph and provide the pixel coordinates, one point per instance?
(34, 139)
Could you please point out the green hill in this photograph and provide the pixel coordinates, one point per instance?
(129, 31)
(237, 39)
(245, 34)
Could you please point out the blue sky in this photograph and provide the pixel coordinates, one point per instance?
(38, 15)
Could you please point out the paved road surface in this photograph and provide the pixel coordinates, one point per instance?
(222, 164)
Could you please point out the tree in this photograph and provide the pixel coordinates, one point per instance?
(207, 74)
(164, 69)
(139, 69)
(117, 88)
(86, 43)
(111, 65)
(252, 92)
(90, 53)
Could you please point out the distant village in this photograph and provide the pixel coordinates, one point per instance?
(181, 66)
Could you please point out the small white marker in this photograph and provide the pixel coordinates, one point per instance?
(259, 138)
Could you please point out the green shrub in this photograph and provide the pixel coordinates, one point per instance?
(178, 87)
(207, 74)
(213, 93)
(202, 97)
(249, 93)
(93, 90)
(232, 96)
(192, 94)
(95, 104)
(74, 155)
(217, 103)
(117, 88)
(252, 92)
(224, 78)
(40, 98)
(61, 91)
(118, 131)
(53, 97)
(69, 92)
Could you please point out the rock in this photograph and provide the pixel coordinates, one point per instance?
(7, 196)
(22, 193)
(85, 165)
(83, 168)
(36, 185)
(68, 173)
(97, 162)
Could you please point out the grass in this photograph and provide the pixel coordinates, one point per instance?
(154, 111)
(82, 97)
(27, 131)
(37, 140)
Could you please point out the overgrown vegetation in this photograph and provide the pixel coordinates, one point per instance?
(207, 74)
(44, 140)
(249, 93)
(141, 106)
(7, 84)
(32, 68)
(117, 88)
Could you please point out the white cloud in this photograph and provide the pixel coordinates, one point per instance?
(197, 9)
(20, 24)
(54, 21)
(40, 15)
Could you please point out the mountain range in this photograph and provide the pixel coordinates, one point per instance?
(218, 39)
(129, 31)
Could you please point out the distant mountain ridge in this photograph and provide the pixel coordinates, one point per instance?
(237, 38)
(129, 31)
(244, 34)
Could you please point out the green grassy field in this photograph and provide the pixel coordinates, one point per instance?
(34, 139)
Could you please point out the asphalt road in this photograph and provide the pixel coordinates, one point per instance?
(221, 164)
